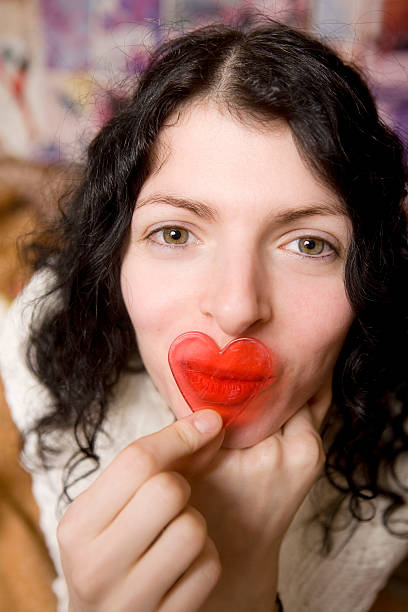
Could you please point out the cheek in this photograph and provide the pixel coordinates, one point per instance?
(316, 324)
(160, 302)
(150, 298)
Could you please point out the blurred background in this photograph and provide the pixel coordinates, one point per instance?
(63, 62)
(66, 64)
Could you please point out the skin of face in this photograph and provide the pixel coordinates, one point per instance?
(233, 236)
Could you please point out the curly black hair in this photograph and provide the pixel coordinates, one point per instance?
(261, 71)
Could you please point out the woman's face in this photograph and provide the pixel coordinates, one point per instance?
(233, 236)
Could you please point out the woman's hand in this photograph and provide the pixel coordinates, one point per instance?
(131, 541)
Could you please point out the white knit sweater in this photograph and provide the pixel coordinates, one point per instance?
(347, 581)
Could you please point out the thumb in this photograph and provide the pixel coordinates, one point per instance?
(200, 459)
(304, 443)
(319, 406)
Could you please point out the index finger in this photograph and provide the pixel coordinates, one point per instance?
(138, 462)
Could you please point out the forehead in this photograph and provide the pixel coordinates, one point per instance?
(206, 153)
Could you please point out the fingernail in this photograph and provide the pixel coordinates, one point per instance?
(207, 421)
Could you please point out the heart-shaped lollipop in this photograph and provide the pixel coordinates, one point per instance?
(226, 380)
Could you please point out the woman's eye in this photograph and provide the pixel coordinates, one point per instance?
(311, 245)
(175, 235)
(171, 236)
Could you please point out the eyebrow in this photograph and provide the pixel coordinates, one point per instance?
(205, 211)
(290, 216)
(199, 208)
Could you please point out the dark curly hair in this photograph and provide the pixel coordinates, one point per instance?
(262, 71)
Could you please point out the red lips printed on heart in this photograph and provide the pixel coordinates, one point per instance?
(227, 379)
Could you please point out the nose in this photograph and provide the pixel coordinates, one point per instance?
(236, 295)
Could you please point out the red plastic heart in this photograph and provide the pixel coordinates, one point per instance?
(226, 380)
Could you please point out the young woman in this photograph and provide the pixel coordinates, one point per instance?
(248, 189)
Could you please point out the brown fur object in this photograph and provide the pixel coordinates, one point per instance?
(29, 194)
(26, 571)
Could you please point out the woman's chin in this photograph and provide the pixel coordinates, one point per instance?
(243, 436)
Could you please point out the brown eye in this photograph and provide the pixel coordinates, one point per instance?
(175, 235)
(311, 246)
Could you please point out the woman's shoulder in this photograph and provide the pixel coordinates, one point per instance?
(25, 396)
(362, 557)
